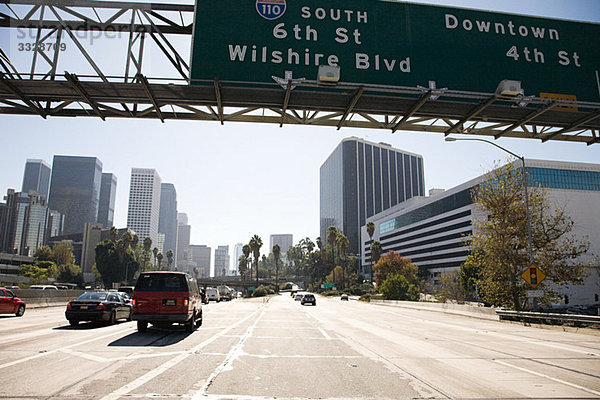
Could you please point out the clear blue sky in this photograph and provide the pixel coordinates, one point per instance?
(240, 179)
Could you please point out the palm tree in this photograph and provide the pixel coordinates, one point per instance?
(376, 251)
(276, 254)
(343, 243)
(371, 231)
(331, 237)
(135, 240)
(255, 245)
(243, 266)
(159, 257)
(169, 258)
(246, 251)
(155, 252)
(319, 243)
(147, 247)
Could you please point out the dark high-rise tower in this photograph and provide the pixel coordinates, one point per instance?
(361, 179)
(167, 221)
(36, 177)
(75, 190)
(106, 207)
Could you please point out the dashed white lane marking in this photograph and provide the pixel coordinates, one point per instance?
(324, 333)
(95, 338)
(122, 391)
(549, 377)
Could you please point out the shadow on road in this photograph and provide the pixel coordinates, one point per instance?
(153, 337)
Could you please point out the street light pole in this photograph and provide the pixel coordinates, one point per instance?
(528, 216)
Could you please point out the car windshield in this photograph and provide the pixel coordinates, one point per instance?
(96, 296)
(161, 282)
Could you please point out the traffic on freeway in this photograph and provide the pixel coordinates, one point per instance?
(274, 347)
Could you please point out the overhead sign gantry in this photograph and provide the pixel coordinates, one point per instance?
(369, 64)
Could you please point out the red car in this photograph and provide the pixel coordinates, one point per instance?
(11, 304)
(164, 298)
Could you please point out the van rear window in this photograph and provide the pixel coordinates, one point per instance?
(161, 282)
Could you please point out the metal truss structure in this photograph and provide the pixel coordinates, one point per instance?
(163, 29)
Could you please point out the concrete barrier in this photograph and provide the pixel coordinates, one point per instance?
(468, 310)
(35, 298)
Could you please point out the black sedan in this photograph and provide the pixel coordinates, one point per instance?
(107, 307)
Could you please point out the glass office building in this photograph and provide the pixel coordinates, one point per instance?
(75, 190)
(23, 223)
(36, 177)
(361, 179)
(167, 221)
(433, 231)
(106, 205)
(144, 203)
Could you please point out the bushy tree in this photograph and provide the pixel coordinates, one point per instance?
(44, 253)
(500, 242)
(394, 263)
(451, 288)
(40, 272)
(397, 287)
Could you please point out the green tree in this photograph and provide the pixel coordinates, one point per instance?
(243, 266)
(113, 233)
(397, 287)
(451, 288)
(393, 263)
(159, 257)
(70, 273)
(246, 252)
(370, 229)
(376, 251)
(276, 255)
(255, 245)
(44, 253)
(155, 253)
(63, 253)
(146, 254)
(169, 259)
(40, 272)
(107, 262)
(501, 240)
(332, 233)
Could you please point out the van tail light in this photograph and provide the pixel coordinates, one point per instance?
(133, 302)
(186, 301)
(101, 307)
(69, 307)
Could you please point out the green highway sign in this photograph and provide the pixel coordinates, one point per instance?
(328, 285)
(394, 44)
(251, 288)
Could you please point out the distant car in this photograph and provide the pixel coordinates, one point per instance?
(163, 298)
(308, 298)
(213, 294)
(14, 287)
(43, 287)
(105, 307)
(11, 304)
(298, 296)
(344, 297)
(127, 289)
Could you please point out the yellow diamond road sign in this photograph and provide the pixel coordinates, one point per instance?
(533, 275)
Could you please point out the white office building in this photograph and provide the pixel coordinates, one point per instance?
(431, 231)
(285, 241)
(221, 261)
(144, 203)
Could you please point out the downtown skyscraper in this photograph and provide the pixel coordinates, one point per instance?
(144, 203)
(167, 221)
(75, 190)
(360, 179)
(106, 206)
(37, 177)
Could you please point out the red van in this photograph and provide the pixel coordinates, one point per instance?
(163, 298)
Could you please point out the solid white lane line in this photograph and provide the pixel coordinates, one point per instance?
(234, 353)
(122, 391)
(549, 377)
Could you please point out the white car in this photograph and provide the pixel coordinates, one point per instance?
(213, 294)
(299, 296)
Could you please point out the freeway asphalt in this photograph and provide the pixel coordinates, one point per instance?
(259, 349)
